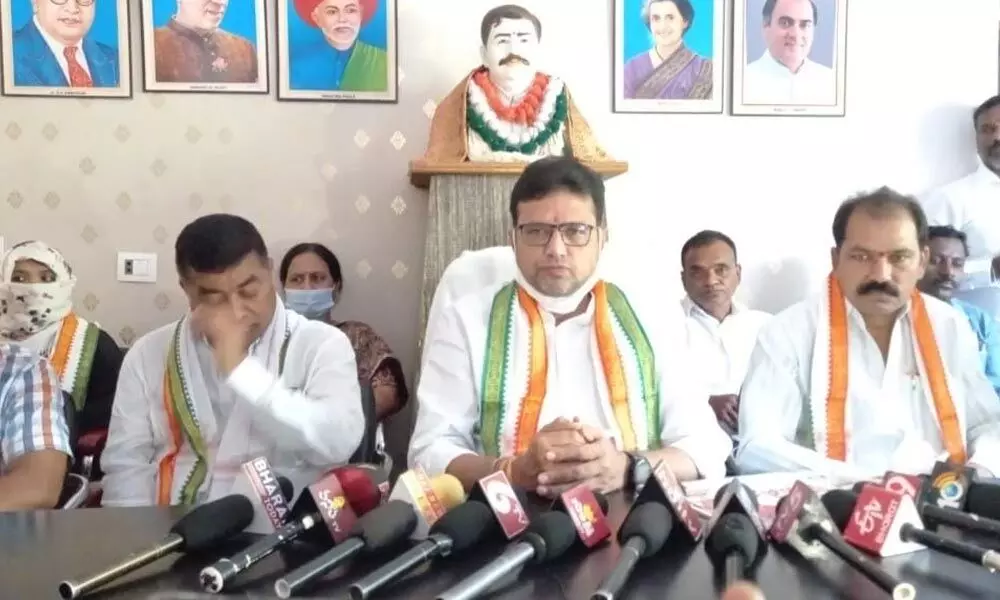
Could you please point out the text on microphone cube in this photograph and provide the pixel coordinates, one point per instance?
(588, 518)
(496, 491)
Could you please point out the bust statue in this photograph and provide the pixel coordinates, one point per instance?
(506, 110)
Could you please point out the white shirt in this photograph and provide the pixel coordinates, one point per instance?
(722, 349)
(890, 423)
(448, 395)
(58, 49)
(972, 205)
(311, 416)
(767, 81)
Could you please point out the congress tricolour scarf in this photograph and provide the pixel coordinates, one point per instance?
(511, 396)
(183, 470)
(824, 428)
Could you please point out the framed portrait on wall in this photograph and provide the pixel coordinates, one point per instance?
(66, 48)
(789, 57)
(200, 46)
(337, 50)
(669, 56)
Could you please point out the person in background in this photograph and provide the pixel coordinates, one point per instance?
(313, 282)
(36, 311)
(869, 375)
(341, 61)
(34, 436)
(972, 203)
(944, 275)
(552, 378)
(669, 70)
(721, 332)
(192, 47)
(237, 378)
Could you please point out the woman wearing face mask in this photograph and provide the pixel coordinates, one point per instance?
(311, 277)
(36, 311)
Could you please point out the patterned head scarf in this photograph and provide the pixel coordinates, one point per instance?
(27, 309)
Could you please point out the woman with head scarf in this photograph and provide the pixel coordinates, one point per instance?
(339, 61)
(36, 311)
(312, 282)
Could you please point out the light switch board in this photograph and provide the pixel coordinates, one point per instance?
(136, 267)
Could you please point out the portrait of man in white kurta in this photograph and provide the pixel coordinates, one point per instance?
(237, 378)
(870, 375)
(556, 378)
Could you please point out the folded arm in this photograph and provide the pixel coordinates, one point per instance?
(35, 439)
(324, 421)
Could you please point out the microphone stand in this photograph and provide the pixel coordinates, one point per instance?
(74, 588)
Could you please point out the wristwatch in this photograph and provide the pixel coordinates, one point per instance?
(637, 471)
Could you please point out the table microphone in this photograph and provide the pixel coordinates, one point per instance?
(547, 538)
(378, 530)
(642, 534)
(735, 543)
(203, 527)
(803, 523)
(354, 490)
(886, 524)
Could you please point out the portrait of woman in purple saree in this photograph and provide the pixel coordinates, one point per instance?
(669, 70)
(669, 55)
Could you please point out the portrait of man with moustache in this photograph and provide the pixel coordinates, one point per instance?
(193, 46)
(53, 44)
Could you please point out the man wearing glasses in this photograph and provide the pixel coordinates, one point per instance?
(552, 378)
(53, 50)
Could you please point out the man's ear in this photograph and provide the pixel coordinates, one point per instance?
(482, 54)
(834, 255)
(739, 274)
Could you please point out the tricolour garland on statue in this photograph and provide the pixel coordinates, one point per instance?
(524, 127)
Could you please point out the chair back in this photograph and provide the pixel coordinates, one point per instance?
(75, 491)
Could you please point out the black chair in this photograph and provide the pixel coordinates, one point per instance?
(366, 449)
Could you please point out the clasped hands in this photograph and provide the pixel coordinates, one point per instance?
(566, 453)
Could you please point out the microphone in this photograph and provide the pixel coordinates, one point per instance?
(378, 530)
(269, 493)
(548, 537)
(415, 488)
(803, 523)
(886, 524)
(662, 487)
(642, 534)
(588, 510)
(735, 543)
(203, 527)
(346, 490)
(507, 505)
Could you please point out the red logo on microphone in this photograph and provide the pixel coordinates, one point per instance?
(872, 518)
(333, 507)
(268, 490)
(788, 512)
(907, 485)
(509, 513)
(582, 507)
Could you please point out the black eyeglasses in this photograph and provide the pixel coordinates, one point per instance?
(539, 234)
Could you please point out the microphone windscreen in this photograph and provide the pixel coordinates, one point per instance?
(466, 524)
(551, 534)
(983, 500)
(734, 532)
(746, 489)
(650, 521)
(840, 504)
(287, 489)
(386, 525)
(214, 522)
(448, 489)
(359, 489)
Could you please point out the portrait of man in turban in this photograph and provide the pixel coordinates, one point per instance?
(339, 45)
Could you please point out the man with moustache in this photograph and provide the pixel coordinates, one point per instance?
(340, 62)
(945, 272)
(53, 50)
(972, 203)
(505, 110)
(870, 375)
(784, 74)
(191, 48)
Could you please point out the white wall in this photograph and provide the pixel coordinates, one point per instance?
(916, 68)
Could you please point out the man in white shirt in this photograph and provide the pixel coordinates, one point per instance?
(784, 74)
(721, 332)
(552, 378)
(237, 378)
(870, 375)
(972, 203)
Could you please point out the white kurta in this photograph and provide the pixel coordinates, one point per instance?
(767, 81)
(721, 349)
(890, 422)
(449, 392)
(304, 423)
(972, 205)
